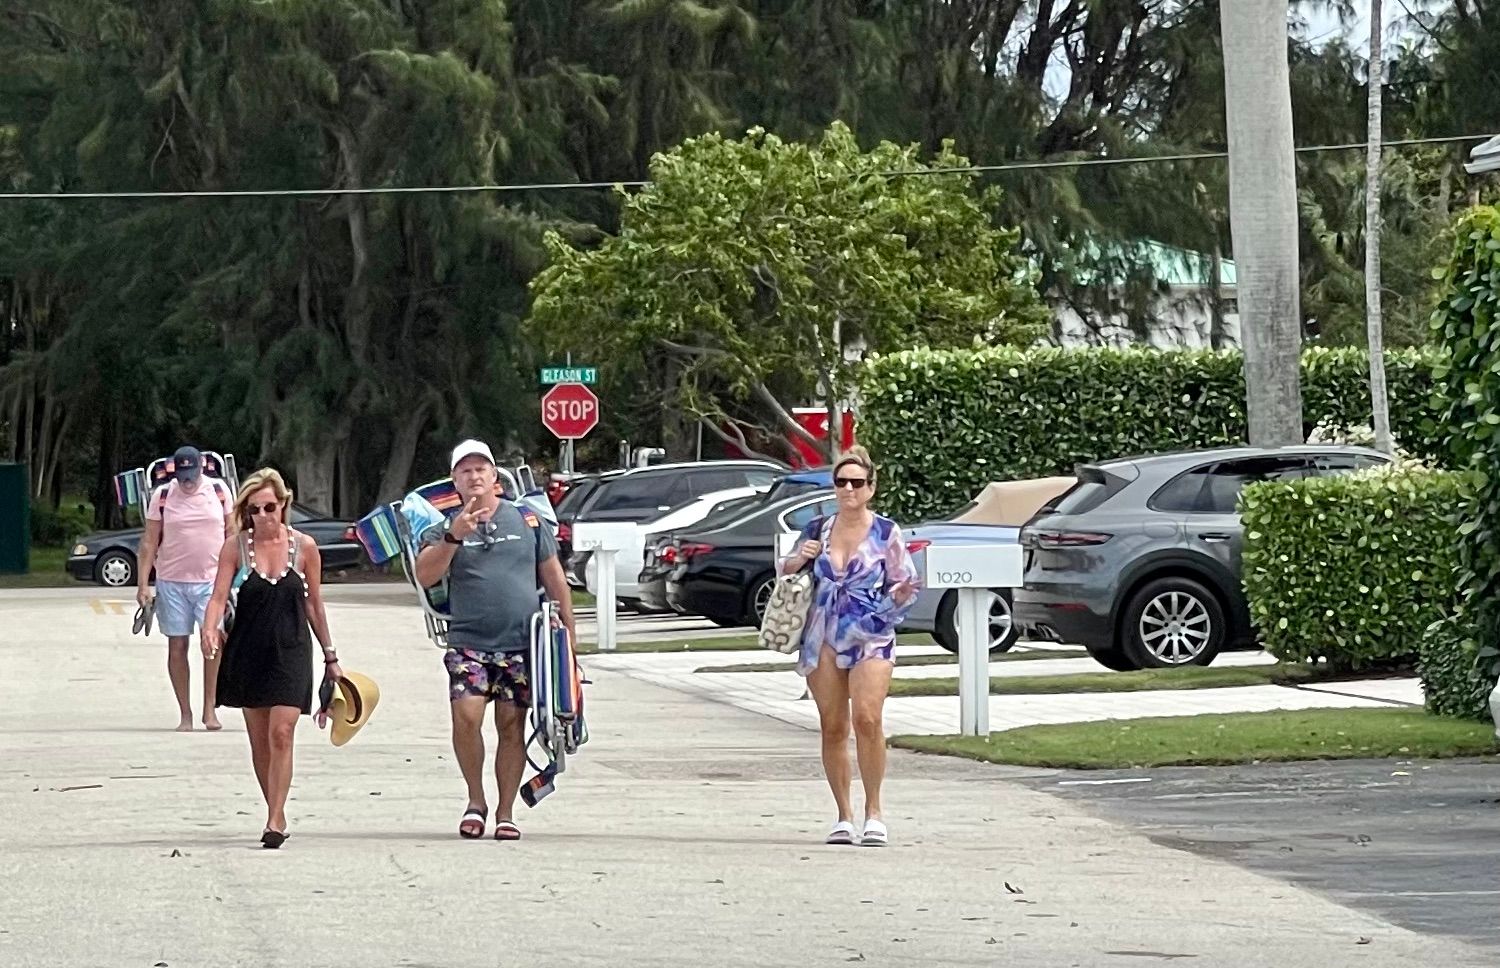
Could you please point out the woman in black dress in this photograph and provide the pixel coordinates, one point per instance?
(267, 666)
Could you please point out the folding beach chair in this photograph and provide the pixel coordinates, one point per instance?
(394, 530)
(134, 488)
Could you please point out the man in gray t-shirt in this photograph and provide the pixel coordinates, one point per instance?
(496, 557)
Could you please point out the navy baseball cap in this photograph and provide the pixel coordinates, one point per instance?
(187, 463)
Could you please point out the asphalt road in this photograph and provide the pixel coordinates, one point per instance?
(1414, 842)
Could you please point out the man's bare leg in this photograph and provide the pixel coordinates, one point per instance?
(468, 745)
(177, 671)
(510, 758)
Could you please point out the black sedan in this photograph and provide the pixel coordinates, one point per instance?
(109, 557)
(725, 573)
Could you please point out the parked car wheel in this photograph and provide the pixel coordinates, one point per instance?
(1112, 658)
(1173, 622)
(115, 569)
(1003, 631)
(759, 597)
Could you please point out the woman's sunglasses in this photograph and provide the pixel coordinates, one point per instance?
(264, 508)
(855, 482)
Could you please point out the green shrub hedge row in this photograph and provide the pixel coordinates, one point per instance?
(943, 423)
(1464, 654)
(1353, 569)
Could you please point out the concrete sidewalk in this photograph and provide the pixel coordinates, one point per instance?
(781, 695)
(687, 833)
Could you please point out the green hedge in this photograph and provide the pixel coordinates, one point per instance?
(1454, 680)
(1351, 569)
(55, 528)
(1463, 655)
(943, 423)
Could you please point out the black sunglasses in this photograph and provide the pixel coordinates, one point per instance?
(854, 482)
(263, 508)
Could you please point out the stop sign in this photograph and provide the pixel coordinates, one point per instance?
(570, 411)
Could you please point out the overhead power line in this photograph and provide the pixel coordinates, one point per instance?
(602, 185)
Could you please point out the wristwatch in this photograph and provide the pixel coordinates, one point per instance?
(448, 533)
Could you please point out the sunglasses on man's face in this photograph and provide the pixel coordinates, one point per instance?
(264, 508)
(853, 482)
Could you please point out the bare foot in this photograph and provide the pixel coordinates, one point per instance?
(186, 726)
(212, 724)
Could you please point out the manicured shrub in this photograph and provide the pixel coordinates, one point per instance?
(1351, 569)
(944, 423)
(1461, 659)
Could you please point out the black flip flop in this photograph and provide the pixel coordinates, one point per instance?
(273, 839)
(143, 616)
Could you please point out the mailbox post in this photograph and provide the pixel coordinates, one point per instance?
(604, 541)
(972, 570)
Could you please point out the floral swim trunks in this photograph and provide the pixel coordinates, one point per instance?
(493, 675)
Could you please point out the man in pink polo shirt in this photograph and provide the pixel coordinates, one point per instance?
(187, 521)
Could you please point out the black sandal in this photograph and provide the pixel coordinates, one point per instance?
(273, 839)
(473, 816)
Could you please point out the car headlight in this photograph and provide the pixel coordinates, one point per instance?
(80, 549)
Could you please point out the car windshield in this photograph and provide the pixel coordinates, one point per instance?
(633, 492)
(785, 488)
(577, 495)
(733, 512)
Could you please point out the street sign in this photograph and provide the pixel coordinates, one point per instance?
(569, 374)
(570, 411)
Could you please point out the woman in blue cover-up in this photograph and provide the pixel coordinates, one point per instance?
(865, 583)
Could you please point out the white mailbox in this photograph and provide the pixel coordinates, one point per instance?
(972, 569)
(604, 540)
(974, 566)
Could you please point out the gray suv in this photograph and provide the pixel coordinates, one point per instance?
(1139, 561)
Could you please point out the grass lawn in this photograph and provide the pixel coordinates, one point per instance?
(1210, 740)
(1188, 677)
(916, 638)
(728, 643)
(46, 571)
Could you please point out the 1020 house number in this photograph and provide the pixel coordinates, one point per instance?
(955, 577)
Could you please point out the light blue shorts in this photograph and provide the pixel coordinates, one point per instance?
(181, 605)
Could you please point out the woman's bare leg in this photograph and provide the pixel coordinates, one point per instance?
(869, 681)
(283, 728)
(830, 689)
(258, 726)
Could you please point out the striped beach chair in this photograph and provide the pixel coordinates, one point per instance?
(133, 488)
(394, 530)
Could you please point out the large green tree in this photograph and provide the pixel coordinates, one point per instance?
(755, 270)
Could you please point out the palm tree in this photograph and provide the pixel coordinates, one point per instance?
(1373, 322)
(1263, 214)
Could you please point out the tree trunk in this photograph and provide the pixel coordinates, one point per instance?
(349, 500)
(1263, 214)
(108, 514)
(393, 483)
(1218, 339)
(41, 457)
(834, 390)
(52, 480)
(1374, 326)
(315, 466)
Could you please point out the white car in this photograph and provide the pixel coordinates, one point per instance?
(632, 537)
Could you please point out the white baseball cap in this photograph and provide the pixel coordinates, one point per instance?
(469, 448)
